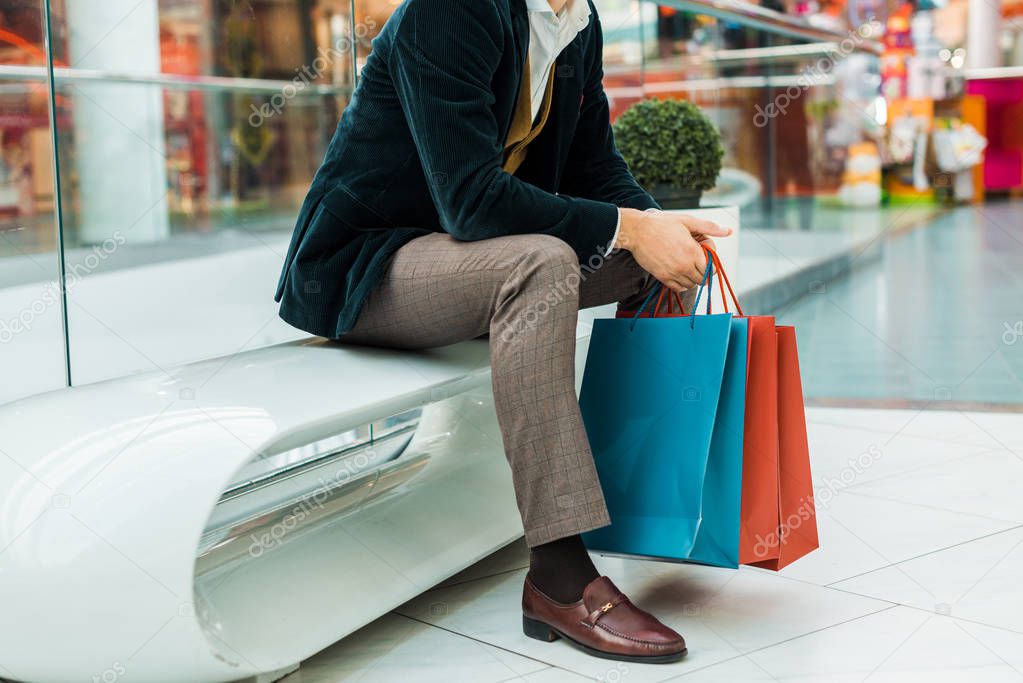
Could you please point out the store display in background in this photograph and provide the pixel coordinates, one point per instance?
(25, 187)
(958, 147)
(830, 16)
(898, 47)
(950, 22)
(912, 64)
(26, 176)
(926, 77)
(1012, 11)
(184, 120)
(370, 17)
(935, 149)
(860, 12)
(806, 8)
(861, 183)
(903, 137)
(1003, 159)
(926, 74)
(973, 112)
(855, 127)
(909, 124)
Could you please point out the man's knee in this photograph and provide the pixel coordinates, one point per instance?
(547, 249)
(542, 286)
(547, 259)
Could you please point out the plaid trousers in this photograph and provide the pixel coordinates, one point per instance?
(525, 292)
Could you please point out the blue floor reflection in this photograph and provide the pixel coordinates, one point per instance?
(938, 319)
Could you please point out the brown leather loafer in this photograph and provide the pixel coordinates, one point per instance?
(604, 623)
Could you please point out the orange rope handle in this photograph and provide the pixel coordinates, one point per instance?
(728, 283)
(723, 281)
(657, 304)
(678, 302)
(673, 297)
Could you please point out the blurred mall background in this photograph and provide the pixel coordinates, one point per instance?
(153, 155)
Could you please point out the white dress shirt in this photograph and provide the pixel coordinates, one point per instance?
(549, 34)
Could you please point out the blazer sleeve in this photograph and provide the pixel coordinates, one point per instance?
(443, 58)
(595, 169)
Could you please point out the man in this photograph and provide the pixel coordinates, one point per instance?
(472, 172)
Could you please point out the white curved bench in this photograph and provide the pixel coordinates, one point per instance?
(234, 516)
(227, 519)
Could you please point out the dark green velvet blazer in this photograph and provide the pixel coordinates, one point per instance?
(419, 149)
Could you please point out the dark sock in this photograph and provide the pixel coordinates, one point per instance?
(562, 568)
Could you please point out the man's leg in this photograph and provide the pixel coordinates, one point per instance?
(561, 568)
(525, 292)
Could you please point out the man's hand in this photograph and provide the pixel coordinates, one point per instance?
(668, 245)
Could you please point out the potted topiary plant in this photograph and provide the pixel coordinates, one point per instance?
(672, 149)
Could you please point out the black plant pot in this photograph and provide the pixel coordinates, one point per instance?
(671, 197)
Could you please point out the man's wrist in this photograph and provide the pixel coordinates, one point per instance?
(625, 233)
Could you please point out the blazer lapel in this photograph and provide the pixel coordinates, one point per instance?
(520, 45)
(520, 28)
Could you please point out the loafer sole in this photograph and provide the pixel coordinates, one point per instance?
(542, 631)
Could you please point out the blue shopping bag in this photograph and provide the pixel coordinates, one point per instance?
(649, 400)
(717, 540)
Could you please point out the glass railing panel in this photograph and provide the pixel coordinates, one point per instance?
(787, 106)
(188, 133)
(278, 40)
(31, 329)
(787, 170)
(176, 228)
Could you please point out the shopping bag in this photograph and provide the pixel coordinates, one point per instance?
(717, 536)
(649, 399)
(760, 512)
(779, 523)
(797, 529)
(717, 539)
(759, 515)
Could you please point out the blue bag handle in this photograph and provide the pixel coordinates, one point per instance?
(708, 278)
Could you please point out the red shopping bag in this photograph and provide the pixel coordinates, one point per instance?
(758, 539)
(797, 529)
(778, 521)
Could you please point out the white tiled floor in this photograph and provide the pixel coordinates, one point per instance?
(918, 579)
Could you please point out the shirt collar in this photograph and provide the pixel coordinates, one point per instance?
(538, 6)
(576, 11)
